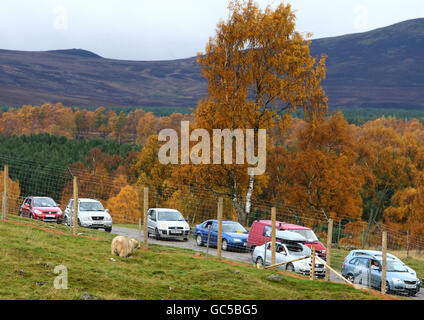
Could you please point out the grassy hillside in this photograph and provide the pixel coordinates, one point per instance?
(29, 254)
(382, 68)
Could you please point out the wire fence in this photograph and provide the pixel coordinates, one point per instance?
(125, 203)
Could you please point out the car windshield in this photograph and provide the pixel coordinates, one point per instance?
(395, 266)
(170, 216)
(296, 249)
(44, 202)
(233, 228)
(308, 234)
(91, 206)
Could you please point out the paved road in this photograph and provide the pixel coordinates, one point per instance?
(191, 244)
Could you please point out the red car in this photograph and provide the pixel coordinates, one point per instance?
(41, 208)
(260, 232)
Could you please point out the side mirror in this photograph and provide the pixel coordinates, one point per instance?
(107, 210)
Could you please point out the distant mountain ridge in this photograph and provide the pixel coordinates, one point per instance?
(379, 68)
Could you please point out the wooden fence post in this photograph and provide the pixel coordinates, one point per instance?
(329, 244)
(146, 208)
(5, 192)
(312, 275)
(384, 258)
(75, 223)
(219, 240)
(273, 234)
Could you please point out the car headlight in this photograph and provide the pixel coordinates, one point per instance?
(36, 211)
(163, 226)
(397, 281)
(108, 218)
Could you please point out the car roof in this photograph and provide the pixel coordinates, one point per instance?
(86, 200)
(290, 236)
(223, 221)
(164, 209)
(285, 225)
(374, 253)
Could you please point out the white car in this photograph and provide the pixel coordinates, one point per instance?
(91, 214)
(167, 223)
(291, 247)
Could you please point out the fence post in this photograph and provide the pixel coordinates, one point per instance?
(312, 275)
(5, 191)
(329, 244)
(75, 224)
(273, 234)
(146, 208)
(384, 258)
(219, 240)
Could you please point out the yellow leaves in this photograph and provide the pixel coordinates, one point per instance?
(127, 206)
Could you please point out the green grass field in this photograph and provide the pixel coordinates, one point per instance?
(31, 250)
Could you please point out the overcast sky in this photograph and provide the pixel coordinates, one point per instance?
(171, 29)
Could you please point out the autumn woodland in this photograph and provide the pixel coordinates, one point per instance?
(260, 74)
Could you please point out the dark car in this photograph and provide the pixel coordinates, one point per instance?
(234, 235)
(41, 208)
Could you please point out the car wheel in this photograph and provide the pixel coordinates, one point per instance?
(290, 267)
(224, 245)
(259, 263)
(185, 238)
(108, 229)
(199, 240)
(388, 291)
(157, 235)
(350, 277)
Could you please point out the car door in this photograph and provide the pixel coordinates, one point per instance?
(280, 253)
(25, 207)
(152, 220)
(69, 211)
(363, 267)
(376, 276)
(214, 234)
(204, 230)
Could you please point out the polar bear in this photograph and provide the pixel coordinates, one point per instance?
(123, 246)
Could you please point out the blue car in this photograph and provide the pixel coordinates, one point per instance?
(398, 279)
(234, 235)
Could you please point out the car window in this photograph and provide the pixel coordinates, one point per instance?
(153, 215)
(91, 206)
(363, 262)
(170, 216)
(354, 261)
(44, 202)
(267, 231)
(233, 227)
(214, 227)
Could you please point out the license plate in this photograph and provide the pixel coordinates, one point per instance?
(97, 222)
(411, 286)
(176, 232)
(319, 269)
(49, 216)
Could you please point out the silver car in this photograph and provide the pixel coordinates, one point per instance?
(167, 223)
(91, 214)
(291, 247)
(378, 254)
